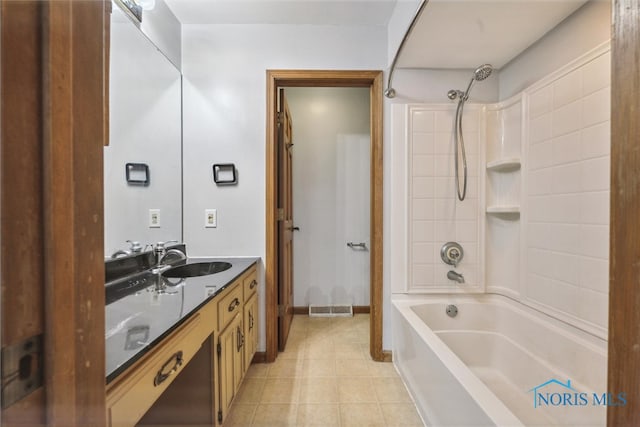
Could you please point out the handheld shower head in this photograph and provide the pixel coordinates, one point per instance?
(482, 72)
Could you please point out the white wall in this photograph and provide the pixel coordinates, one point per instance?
(224, 70)
(399, 22)
(330, 159)
(145, 120)
(588, 27)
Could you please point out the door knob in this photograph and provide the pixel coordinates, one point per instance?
(293, 228)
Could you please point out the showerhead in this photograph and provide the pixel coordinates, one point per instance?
(482, 72)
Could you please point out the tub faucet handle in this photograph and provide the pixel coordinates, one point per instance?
(451, 253)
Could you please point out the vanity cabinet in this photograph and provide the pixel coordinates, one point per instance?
(218, 342)
(238, 339)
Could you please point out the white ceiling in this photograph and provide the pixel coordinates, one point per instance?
(449, 34)
(296, 12)
(468, 33)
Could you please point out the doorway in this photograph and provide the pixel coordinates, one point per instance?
(356, 79)
(330, 187)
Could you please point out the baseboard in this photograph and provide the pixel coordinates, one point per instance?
(387, 356)
(301, 310)
(357, 309)
(259, 357)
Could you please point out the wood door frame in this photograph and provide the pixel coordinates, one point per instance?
(324, 78)
(52, 114)
(624, 297)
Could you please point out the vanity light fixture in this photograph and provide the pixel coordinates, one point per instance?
(146, 4)
(137, 173)
(225, 174)
(135, 7)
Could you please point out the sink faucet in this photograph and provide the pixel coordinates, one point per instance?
(134, 248)
(164, 256)
(160, 249)
(172, 253)
(452, 275)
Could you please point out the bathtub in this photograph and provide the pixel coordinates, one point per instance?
(486, 365)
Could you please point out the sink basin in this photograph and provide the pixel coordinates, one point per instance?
(197, 269)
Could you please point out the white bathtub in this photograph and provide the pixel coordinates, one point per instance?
(480, 367)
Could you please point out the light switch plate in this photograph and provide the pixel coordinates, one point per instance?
(210, 218)
(154, 218)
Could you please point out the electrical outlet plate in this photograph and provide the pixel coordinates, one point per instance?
(210, 218)
(154, 218)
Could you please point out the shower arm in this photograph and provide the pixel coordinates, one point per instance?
(390, 92)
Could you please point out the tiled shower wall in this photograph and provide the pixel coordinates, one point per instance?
(435, 215)
(567, 196)
(556, 251)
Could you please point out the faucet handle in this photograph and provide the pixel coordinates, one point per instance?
(164, 244)
(135, 247)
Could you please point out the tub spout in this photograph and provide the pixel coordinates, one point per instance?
(452, 275)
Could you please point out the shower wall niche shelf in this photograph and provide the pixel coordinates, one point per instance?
(504, 165)
(503, 196)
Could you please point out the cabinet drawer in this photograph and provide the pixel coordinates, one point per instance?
(143, 383)
(250, 284)
(230, 305)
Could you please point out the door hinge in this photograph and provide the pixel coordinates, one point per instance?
(279, 118)
(280, 310)
(220, 416)
(280, 214)
(219, 349)
(22, 369)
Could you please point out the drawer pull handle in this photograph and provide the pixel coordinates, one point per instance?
(175, 361)
(250, 320)
(234, 304)
(253, 284)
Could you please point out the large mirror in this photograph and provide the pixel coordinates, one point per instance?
(145, 129)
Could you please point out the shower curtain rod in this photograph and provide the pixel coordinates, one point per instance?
(390, 92)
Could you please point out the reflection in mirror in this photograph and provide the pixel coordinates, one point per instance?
(145, 128)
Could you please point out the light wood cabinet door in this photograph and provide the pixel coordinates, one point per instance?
(230, 364)
(250, 330)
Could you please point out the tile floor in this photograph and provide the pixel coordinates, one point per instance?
(324, 378)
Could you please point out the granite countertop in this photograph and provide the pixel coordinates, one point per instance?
(138, 321)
